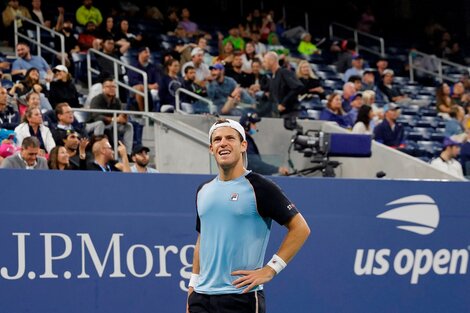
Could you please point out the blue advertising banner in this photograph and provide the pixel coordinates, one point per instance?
(93, 242)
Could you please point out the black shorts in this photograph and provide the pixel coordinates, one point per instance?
(252, 302)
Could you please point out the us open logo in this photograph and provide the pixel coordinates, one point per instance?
(418, 214)
(420, 210)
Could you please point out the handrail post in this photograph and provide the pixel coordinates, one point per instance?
(356, 39)
(38, 38)
(115, 135)
(116, 77)
(331, 31)
(410, 65)
(146, 99)
(382, 47)
(88, 69)
(439, 69)
(306, 22)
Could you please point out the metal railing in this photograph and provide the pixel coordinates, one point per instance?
(212, 107)
(116, 65)
(168, 123)
(356, 35)
(434, 66)
(37, 40)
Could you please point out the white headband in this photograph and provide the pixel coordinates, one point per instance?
(238, 127)
(229, 123)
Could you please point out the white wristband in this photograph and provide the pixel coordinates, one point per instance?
(193, 280)
(277, 264)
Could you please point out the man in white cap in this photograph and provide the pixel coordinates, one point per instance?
(234, 215)
(197, 61)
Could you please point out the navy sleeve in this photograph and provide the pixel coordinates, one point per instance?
(270, 199)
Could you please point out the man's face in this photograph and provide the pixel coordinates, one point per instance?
(388, 79)
(22, 50)
(237, 61)
(109, 89)
(66, 117)
(141, 158)
(267, 63)
(30, 155)
(3, 98)
(198, 58)
(393, 114)
(72, 141)
(256, 67)
(87, 3)
(455, 151)
(107, 150)
(382, 64)
(216, 74)
(227, 147)
(144, 56)
(108, 46)
(191, 75)
(368, 78)
(14, 4)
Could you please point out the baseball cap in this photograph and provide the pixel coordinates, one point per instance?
(232, 124)
(138, 149)
(388, 71)
(391, 106)
(216, 66)
(60, 68)
(143, 48)
(250, 117)
(357, 57)
(369, 71)
(449, 142)
(197, 51)
(353, 97)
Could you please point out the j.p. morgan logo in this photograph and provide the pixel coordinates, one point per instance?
(58, 255)
(420, 210)
(418, 214)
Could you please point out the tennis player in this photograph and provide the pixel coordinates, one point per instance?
(234, 215)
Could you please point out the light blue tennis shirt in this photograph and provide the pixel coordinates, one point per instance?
(234, 221)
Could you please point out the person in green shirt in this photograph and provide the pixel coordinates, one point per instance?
(235, 38)
(88, 13)
(306, 47)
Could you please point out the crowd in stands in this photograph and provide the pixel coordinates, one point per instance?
(255, 66)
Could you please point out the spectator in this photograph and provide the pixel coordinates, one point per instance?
(306, 47)
(43, 18)
(89, 37)
(356, 104)
(225, 93)
(349, 90)
(236, 72)
(28, 158)
(368, 98)
(141, 160)
(443, 100)
(107, 100)
(103, 157)
(382, 65)
(170, 84)
(191, 29)
(284, 87)
(12, 10)
(226, 52)
(389, 132)
(334, 112)
(454, 125)
(58, 159)
(363, 122)
(30, 91)
(392, 92)
(446, 161)
(345, 58)
(75, 147)
(136, 80)
(107, 31)
(260, 47)
(248, 57)
(368, 83)
(171, 22)
(9, 118)
(63, 89)
(356, 68)
(255, 162)
(234, 37)
(25, 61)
(135, 41)
(191, 104)
(311, 82)
(33, 126)
(458, 91)
(71, 46)
(197, 61)
(88, 13)
(66, 122)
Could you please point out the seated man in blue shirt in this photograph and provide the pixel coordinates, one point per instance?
(389, 132)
